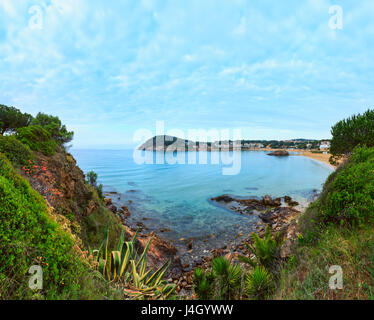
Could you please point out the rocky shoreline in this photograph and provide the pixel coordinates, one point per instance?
(279, 213)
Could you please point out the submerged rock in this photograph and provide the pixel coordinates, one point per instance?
(248, 206)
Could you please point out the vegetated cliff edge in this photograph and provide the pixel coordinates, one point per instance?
(50, 216)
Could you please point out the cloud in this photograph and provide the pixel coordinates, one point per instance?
(194, 63)
(7, 6)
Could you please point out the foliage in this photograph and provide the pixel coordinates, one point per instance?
(350, 132)
(54, 126)
(308, 276)
(15, 151)
(99, 190)
(29, 236)
(228, 277)
(91, 177)
(42, 180)
(11, 119)
(348, 194)
(203, 282)
(37, 139)
(124, 266)
(266, 251)
(336, 230)
(258, 283)
(222, 283)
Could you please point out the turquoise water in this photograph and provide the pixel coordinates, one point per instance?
(177, 196)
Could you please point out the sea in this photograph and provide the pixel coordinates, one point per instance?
(173, 198)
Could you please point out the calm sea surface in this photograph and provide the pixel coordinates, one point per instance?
(176, 196)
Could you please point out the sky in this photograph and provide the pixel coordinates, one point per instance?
(272, 69)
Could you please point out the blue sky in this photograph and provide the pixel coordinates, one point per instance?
(274, 69)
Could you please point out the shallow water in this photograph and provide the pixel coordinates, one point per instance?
(176, 197)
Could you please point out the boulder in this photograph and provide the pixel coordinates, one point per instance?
(107, 202)
(269, 202)
(279, 153)
(126, 211)
(287, 199)
(224, 198)
(160, 251)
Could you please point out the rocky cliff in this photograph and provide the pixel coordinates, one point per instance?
(62, 184)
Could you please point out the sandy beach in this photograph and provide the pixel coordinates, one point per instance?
(306, 153)
(316, 156)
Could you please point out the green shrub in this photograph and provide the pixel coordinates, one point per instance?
(126, 267)
(28, 236)
(203, 284)
(55, 127)
(350, 132)
(38, 139)
(222, 283)
(91, 178)
(258, 283)
(266, 251)
(11, 119)
(348, 195)
(15, 151)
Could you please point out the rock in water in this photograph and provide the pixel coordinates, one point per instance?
(279, 153)
(126, 211)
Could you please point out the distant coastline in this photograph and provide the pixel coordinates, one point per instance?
(174, 144)
(171, 144)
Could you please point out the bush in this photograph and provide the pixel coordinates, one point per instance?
(11, 119)
(38, 139)
(92, 178)
(258, 283)
(349, 133)
(127, 267)
(54, 126)
(203, 284)
(222, 283)
(348, 195)
(28, 236)
(266, 251)
(15, 151)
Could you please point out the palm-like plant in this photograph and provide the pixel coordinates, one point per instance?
(266, 251)
(222, 283)
(258, 283)
(227, 276)
(203, 282)
(124, 266)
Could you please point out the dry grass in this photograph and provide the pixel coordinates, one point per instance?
(306, 275)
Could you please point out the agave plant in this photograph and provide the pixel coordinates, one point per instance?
(258, 283)
(124, 266)
(266, 251)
